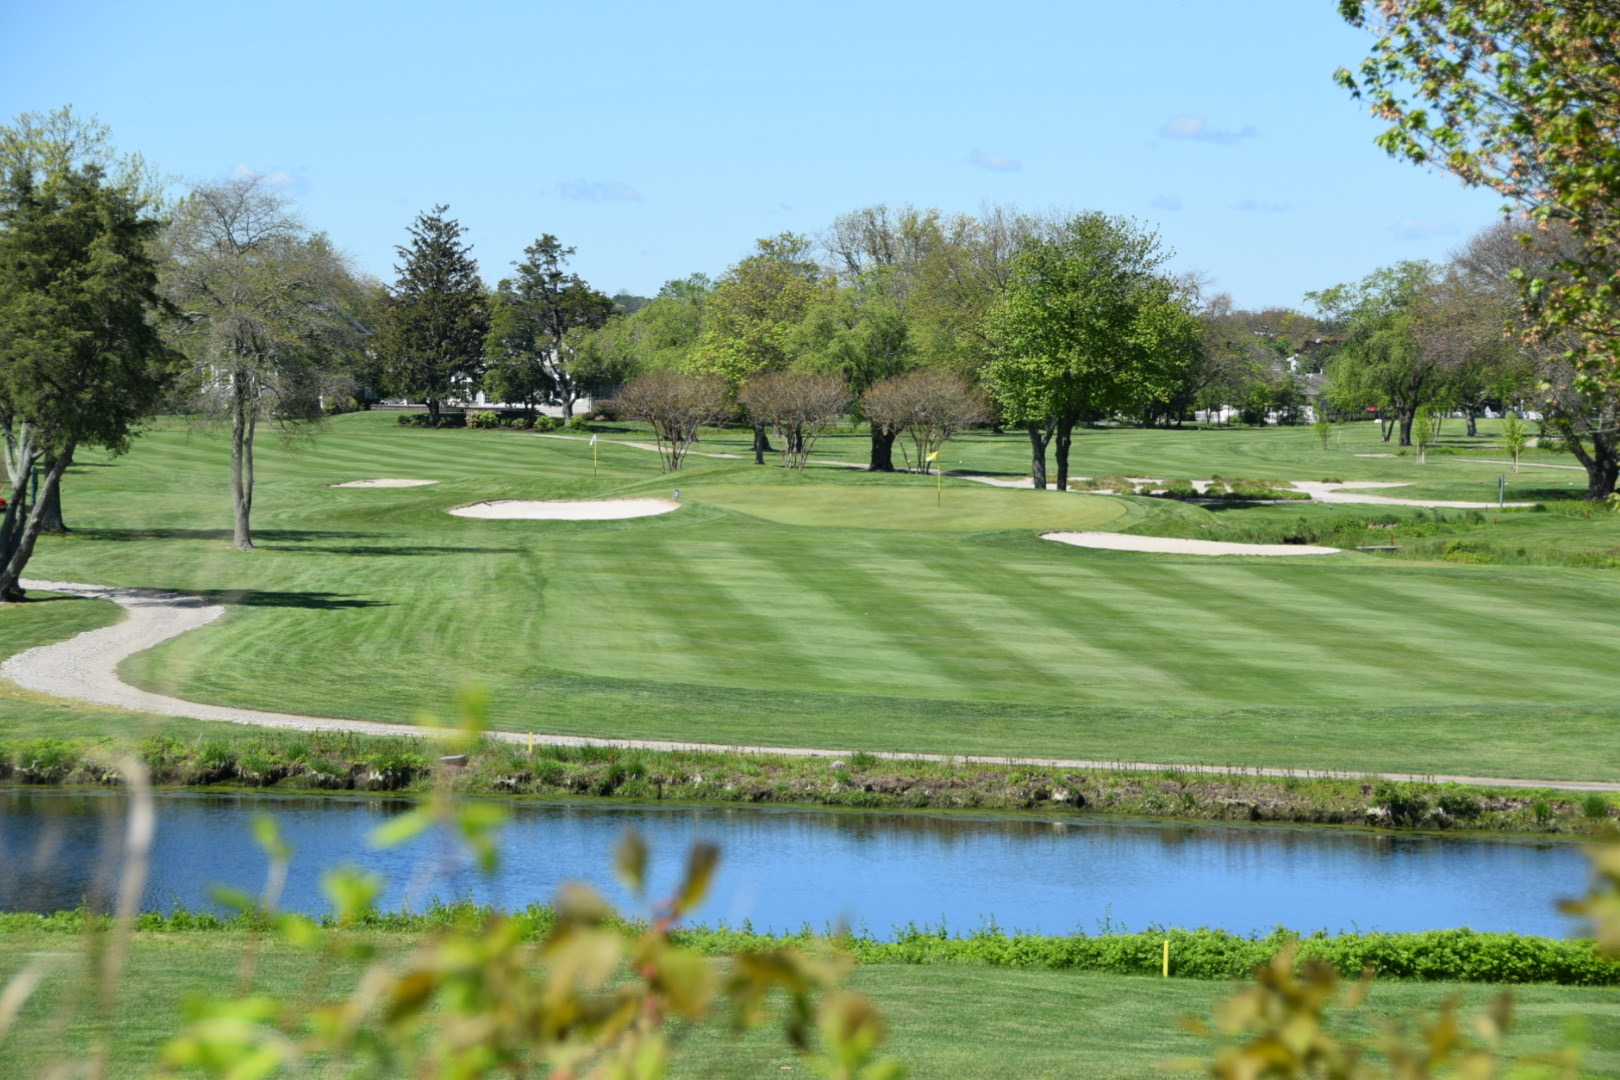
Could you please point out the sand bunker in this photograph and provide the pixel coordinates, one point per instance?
(385, 482)
(1171, 546)
(581, 510)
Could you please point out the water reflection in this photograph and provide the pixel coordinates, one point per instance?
(783, 868)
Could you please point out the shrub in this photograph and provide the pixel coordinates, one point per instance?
(1462, 807)
(335, 406)
(46, 761)
(1403, 805)
(325, 773)
(1595, 806)
(484, 420)
(546, 423)
(576, 423)
(260, 767)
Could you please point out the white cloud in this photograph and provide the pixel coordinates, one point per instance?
(1194, 127)
(994, 161)
(598, 191)
(1166, 202)
(274, 178)
(1258, 207)
(1413, 229)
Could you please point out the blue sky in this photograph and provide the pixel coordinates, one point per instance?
(662, 139)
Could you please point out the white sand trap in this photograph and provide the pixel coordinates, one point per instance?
(1166, 545)
(560, 510)
(385, 482)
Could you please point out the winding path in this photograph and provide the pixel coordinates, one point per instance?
(85, 668)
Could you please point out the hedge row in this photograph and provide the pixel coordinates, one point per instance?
(1436, 955)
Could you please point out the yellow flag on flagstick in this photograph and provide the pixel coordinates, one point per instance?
(934, 455)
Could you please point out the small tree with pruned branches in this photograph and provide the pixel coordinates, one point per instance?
(675, 405)
(798, 406)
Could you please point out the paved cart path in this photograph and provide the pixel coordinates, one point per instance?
(85, 668)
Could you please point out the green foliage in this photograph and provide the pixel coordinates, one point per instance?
(432, 329)
(751, 317)
(1404, 805)
(1280, 1026)
(1520, 98)
(81, 358)
(1087, 326)
(1514, 437)
(537, 322)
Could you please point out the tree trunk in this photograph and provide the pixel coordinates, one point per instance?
(1040, 433)
(1473, 428)
(882, 457)
(1602, 474)
(433, 412)
(1386, 427)
(762, 444)
(1406, 417)
(1602, 462)
(1065, 435)
(243, 417)
(23, 547)
(51, 506)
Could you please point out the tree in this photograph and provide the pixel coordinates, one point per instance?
(1583, 415)
(263, 316)
(1381, 360)
(1523, 98)
(797, 405)
(81, 360)
(431, 337)
(752, 314)
(660, 335)
(536, 326)
(860, 331)
(1087, 326)
(928, 405)
(676, 404)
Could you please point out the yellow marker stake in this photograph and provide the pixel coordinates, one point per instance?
(531, 744)
(1167, 958)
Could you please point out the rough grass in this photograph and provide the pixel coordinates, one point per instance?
(717, 625)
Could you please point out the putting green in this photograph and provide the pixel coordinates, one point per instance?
(954, 509)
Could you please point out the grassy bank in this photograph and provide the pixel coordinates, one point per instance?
(316, 761)
(1025, 1021)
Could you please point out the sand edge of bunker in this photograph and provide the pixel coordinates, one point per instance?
(1166, 545)
(565, 509)
(384, 482)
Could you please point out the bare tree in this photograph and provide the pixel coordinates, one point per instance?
(262, 315)
(798, 406)
(675, 404)
(927, 406)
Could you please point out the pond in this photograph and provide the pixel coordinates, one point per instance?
(784, 868)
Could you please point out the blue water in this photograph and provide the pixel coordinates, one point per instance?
(785, 868)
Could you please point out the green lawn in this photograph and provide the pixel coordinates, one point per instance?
(967, 1022)
(838, 608)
